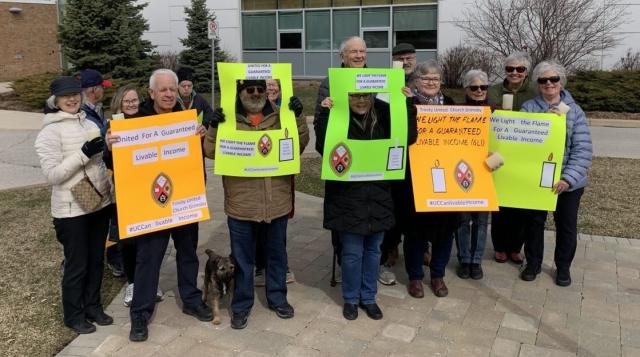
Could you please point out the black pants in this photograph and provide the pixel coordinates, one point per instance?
(150, 250)
(533, 236)
(507, 229)
(83, 239)
(566, 220)
(391, 240)
(185, 241)
(126, 249)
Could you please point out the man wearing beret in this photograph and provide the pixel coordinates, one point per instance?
(255, 203)
(405, 53)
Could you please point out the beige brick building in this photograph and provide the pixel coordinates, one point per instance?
(28, 38)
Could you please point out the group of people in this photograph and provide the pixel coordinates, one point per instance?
(367, 219)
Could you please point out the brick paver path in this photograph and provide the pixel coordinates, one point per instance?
(598, 315)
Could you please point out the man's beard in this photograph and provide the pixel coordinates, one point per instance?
(253, 104)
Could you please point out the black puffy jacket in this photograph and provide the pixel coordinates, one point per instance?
(361, 207)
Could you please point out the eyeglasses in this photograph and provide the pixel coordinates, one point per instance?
(430, 79)
(131, 102)
(251, 90)
(519, 69)
(483, 88)
(360, 96)
(544, 80)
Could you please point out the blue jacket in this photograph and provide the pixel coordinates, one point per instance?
(578, 150)
(95, 117)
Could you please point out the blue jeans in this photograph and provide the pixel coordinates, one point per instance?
(471, 237)
(243, 250)
(360, 263)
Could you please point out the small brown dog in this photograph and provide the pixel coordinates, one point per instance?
(218, 281)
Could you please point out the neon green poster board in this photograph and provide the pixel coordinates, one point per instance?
(365, 160)
(532, 145)
(257, 153)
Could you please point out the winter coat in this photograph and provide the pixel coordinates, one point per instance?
(201, 105)
(361, 207)
(578, 149)
(59, 146)
(257, 199)
(525, 92)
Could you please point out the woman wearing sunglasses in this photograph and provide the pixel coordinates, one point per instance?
(472, 231)
(506, 227)
(553, 98)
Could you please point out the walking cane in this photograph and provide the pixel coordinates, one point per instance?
(333, 269)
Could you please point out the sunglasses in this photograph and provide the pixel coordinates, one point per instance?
(251, 90)
(519, 69)
(544, 80)
(483, 88)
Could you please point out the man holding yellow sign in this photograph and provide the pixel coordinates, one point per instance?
(257, 153)
(160, 193)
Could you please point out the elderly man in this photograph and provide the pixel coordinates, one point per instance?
(405, 53)
(93, 86)
(189, 99)
(151, 247)
(257, 203)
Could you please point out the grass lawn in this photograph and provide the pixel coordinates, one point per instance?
(608, 206)
(30, 306)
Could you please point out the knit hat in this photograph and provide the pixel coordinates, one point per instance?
(244, 83)
(91, 78)
(185, 74)
(65, 85)
(403, 48)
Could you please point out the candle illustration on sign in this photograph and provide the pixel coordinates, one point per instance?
(438, 178)
(548, 172)
(464, 175)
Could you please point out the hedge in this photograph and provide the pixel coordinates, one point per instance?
(607, 91)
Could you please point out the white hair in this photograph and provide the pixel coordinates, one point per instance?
(159, 72)
(343, 45)
(473, 75)
(424, 68)
(520, 57)
(550, 65)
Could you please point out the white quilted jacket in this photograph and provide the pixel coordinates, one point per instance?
(59, 146)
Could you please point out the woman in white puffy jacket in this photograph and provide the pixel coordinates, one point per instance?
(68, 146)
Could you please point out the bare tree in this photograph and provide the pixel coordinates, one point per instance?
(565, 30)
(459, 59)
(630, 61)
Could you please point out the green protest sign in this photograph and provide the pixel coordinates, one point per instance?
(256, 153)
(532, 145)
(346, 159)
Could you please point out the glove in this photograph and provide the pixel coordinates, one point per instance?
(217, 118)
(295, 105)
(95, 146)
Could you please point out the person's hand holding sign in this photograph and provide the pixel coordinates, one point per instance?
(111, 139)
(327, 103)
(560, 187)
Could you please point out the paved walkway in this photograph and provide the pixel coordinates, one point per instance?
(599, 315)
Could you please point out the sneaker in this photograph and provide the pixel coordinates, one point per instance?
(258, 279)
(139, 330)
(529, 273)
(239, 320)
(463, 271)
(128, 295)
(476, 272)
(386, 276)
(116, 270)
(290, 277)
(159, 294)
(563, 277)
(500, 257)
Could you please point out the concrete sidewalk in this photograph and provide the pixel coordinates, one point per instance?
(500, 315)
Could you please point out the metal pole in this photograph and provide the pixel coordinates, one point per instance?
(213, 72)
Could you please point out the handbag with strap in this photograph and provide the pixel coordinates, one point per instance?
(86, 194)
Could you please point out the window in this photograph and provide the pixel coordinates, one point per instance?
(422, 40)
(318, 30)
(376, 17)
(290, 20)
(376, 39)
(259, 31)
(417, 25)
(290, 4)
(259, 4)
(291, 40)
(346, 23)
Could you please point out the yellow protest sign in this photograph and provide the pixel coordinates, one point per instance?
(256, 153)
(158, 173)
(447, 160)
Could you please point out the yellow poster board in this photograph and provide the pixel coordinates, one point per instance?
(447, 160)
(256, 153)
(159, 179)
